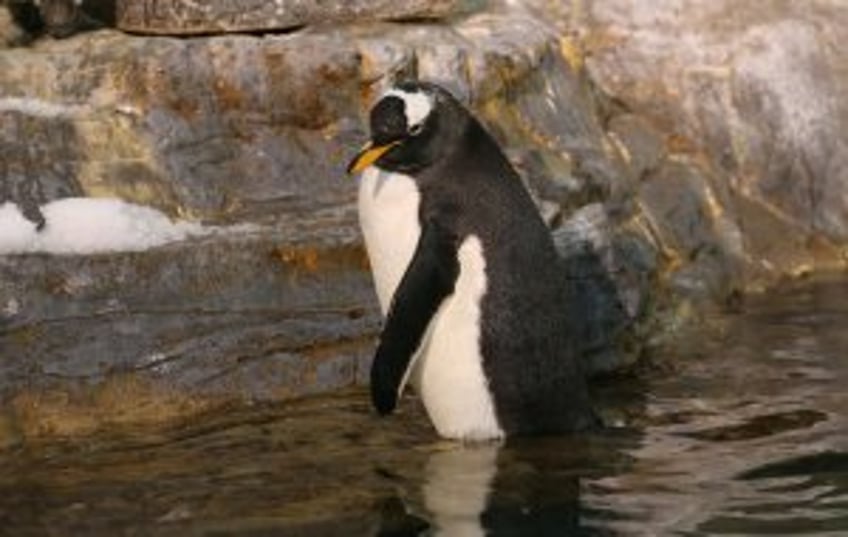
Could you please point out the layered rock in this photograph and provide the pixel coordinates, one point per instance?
(753, 92)
(179, 17)
(671, 175)
(230, 130)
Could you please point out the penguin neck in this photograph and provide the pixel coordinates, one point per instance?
(417, 158)
(472, 140)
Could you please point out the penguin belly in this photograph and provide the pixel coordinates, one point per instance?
(448, 372)
(388, 215)
(447, 369)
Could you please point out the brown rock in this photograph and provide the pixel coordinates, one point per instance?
(180, 17)
(756, 86)
(663, 167)
(235, 129)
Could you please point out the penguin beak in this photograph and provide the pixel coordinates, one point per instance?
(368, 155)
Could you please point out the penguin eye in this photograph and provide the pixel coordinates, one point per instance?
(415, 130)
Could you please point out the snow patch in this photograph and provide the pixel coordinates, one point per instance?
(40, 108)
(92, 225)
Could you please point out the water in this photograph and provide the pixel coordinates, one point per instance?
(741, 431)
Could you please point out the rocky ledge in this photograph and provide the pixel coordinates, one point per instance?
(683, 154)
(178, 17)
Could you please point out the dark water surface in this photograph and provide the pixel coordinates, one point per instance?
(746, 435)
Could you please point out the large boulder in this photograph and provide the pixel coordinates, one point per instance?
(754, 89)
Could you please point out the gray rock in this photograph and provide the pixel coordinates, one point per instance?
(674, 164)
(16, 21)
(604, 295)
(234, 129)
(756, 87)
(175, 17)
(261, 315)
(676, 200)
(642, 145)
(37, 162)
(21, 21)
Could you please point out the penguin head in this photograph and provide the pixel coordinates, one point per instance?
(412, 125)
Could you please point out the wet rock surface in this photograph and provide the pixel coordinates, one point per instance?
(749, 439)
(676, 163)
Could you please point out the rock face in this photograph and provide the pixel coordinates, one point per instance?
(230, 130)
(675, 164)
(756, 92)
(282, 316)
(183, 17)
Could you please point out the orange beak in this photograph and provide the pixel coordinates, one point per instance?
(368, 155)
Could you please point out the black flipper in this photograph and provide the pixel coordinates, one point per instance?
(429, 278)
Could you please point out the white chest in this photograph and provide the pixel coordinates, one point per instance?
(388, 215)
(448, 367)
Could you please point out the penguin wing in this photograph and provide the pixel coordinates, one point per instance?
(428, 280)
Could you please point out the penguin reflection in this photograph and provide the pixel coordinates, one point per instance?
(494, 490)
(457, 487)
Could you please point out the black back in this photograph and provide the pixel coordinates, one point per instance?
(529, 355)
(468, 187)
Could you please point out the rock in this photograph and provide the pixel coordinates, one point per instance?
(757, 90)
(18, 19)
(58, 18)
(10, 432)
(245, 129)
(674, 167)
(256, 315)
(171, 122)
(607, 287)
(62, 18)
(37, 162)
(677, 202)
(641, 145)
(146, 138)
(180, 17)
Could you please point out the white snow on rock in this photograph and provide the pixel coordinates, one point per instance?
(40, 108)
(92, 225)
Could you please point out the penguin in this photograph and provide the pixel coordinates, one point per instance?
(466, 275)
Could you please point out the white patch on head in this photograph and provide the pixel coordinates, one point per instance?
(417, 105)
